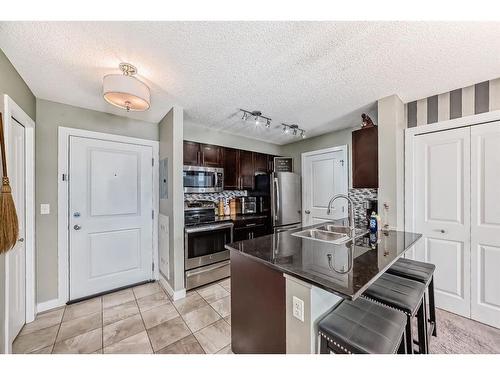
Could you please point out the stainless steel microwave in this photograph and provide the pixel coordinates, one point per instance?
(203, 179)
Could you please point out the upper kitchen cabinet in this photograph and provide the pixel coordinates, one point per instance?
(191, 153)
(247, 170)
(365, 158)
(261, 162)
(203, 155)
(231, 168)
(211, 156)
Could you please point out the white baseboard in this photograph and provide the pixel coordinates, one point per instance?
(49, 305)
(175, 294)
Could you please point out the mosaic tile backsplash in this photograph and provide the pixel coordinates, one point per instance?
(359, 196)
(214, 197)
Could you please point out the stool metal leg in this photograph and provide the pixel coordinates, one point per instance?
(432, 307)
(422, 327)
(323, 345)
(409, 336)
(402, 344)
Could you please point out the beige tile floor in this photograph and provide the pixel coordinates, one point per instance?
(145, 320)
(138, 320)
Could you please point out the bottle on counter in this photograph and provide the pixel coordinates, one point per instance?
(221, 207)
(373, 223)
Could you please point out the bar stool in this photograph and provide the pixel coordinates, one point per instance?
(421, 272)
(363, 327)
(405, 295)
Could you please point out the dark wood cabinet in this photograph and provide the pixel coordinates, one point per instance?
(231, 168)
(261, 162)
(365, 158)
(211, 156)
(191, 153)
(203, 155)
(240, 166)
(247, 170)
(250, 228)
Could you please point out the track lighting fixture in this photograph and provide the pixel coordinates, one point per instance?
(256, 117)
(293, 129)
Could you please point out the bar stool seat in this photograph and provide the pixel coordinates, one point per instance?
(405, 295)
(424, 273)
(412, 269)
(362, 326)
(398, 292)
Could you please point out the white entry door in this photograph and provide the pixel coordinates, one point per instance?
(16, 257)
(110, 215)
(324, 174)
(485, 224)
(442, 213)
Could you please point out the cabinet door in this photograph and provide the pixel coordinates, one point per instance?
(231, 168)
(191, 153)
(270, 163)
(442, 214)
(211, 156)
(261, 162)
(247, 170)
(365, 158)
(485, 224)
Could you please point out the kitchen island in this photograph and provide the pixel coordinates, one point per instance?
(282, 285)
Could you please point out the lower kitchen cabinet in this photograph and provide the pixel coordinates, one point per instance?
(249, 228)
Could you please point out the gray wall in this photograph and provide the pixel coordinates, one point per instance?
(49, 117)
(198, 133)
(171, 137)
(336, 138)
(12, 84)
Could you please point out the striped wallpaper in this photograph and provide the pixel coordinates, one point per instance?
(478, 98)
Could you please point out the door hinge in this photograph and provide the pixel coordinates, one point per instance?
(65, 177)
(153, 214)
(152, 161)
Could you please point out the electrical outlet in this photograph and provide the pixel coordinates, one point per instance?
(44, 209)
(298, 308)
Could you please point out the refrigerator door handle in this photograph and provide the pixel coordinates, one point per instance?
(277, 203)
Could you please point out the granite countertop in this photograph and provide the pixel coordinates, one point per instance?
(346, 270)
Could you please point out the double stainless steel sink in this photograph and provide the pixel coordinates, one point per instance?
(331, 233)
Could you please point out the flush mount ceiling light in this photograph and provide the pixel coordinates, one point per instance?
(293, 129)
(256, 117)
(125, 91)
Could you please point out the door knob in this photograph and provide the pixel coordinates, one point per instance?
(307, 212)
(21, 240)
(77, 227)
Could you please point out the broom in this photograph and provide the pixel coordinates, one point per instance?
(9, 226)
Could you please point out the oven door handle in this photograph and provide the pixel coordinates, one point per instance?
(207, 268)
(208, 228)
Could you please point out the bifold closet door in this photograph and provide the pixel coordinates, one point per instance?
(442, 213)
(485, 223)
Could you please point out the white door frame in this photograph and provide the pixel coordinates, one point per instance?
(410, 134)
(63, 205)
(11, 110)
(304, 155)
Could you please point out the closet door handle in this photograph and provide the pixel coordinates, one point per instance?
(440, 231)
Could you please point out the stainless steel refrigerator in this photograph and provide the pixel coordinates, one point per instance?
(285, 195)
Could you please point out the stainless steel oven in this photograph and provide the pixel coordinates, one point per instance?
(203, 179)
(206, 259)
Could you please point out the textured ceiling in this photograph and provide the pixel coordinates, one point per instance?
(320, 75)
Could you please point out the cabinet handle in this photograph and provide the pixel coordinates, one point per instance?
(307, 212)
(440, 230)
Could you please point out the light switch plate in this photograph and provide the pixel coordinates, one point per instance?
(298, 308)
(44, 209)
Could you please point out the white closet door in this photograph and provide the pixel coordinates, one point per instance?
(485, 223)
(442, 192)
